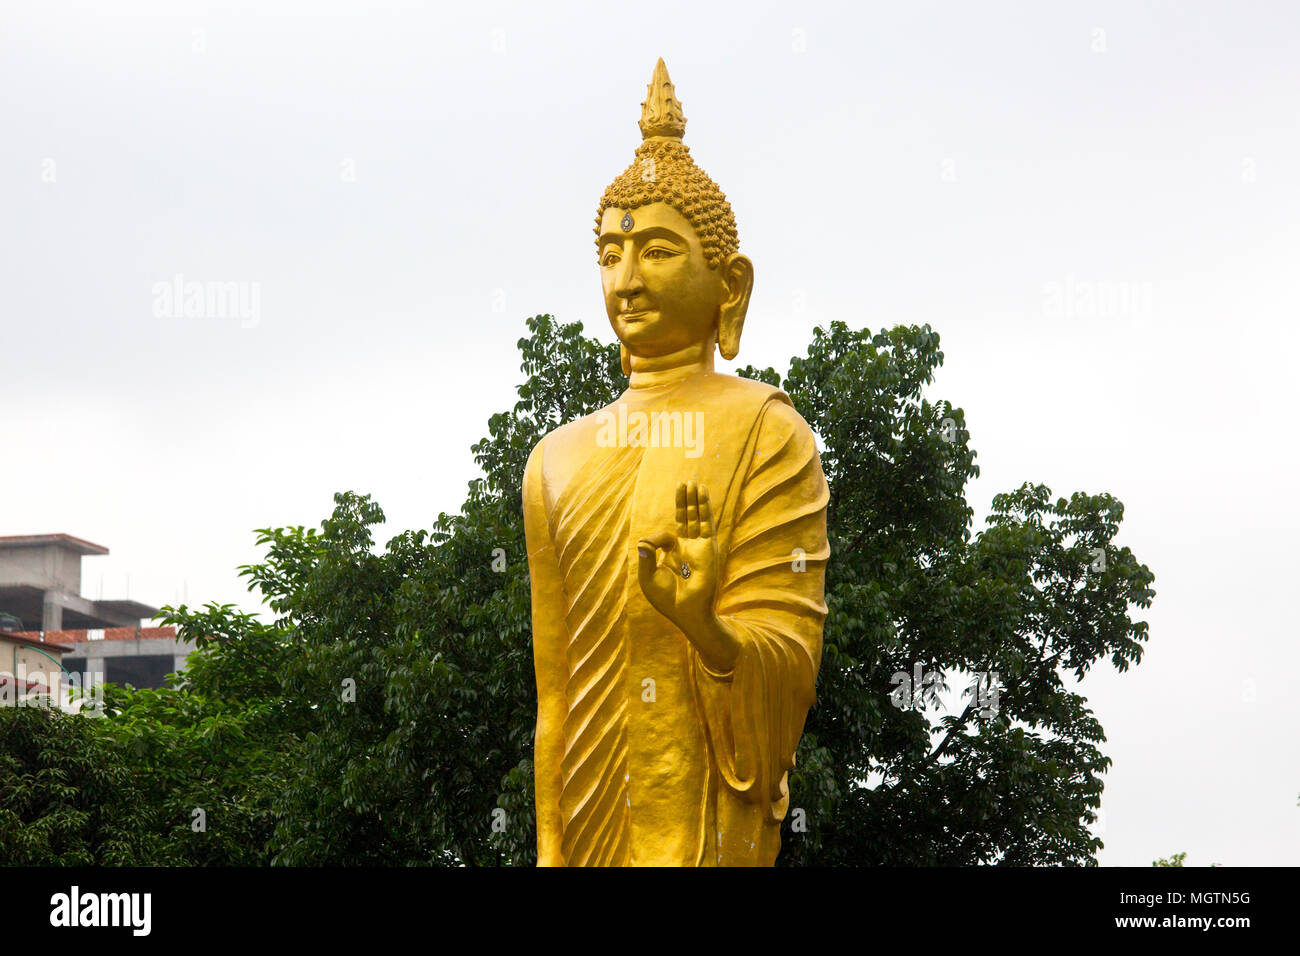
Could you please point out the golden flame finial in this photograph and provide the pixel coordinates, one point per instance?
(661, 113)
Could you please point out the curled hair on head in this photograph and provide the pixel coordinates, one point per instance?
(663, 171)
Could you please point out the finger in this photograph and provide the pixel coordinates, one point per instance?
(692, 510)
(646, 565)
(665, 541)
(706, 514)
(681, 511)
(657, 583)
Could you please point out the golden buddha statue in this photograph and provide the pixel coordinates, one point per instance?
(677, 552)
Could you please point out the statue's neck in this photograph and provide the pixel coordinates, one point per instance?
(659, 370)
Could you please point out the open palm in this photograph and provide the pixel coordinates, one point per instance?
(679, 571)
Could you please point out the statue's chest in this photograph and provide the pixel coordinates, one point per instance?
(623, 465)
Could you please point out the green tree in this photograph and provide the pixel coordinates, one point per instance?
(385, 715)
(67, 799)
(183, 775)
(436, 634)
(210, 754)
(431, 761)
(1042, 592)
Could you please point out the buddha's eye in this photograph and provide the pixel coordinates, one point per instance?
(609, 258)
(659, 252)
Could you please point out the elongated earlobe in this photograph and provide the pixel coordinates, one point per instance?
(731, 314)
(729, 341)
(625, 359)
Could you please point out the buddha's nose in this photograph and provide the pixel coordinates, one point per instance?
(628, 282)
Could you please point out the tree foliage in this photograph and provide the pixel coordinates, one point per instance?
(1043, 591)
(385, 714)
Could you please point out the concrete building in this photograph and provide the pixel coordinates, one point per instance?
(41, 609)
(29, 666)
(140, 656)
(40, 584)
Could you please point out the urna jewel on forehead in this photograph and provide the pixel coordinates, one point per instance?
(664, 171)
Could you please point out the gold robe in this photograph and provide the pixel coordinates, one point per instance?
(643, 755)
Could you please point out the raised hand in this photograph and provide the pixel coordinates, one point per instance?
(679, 577)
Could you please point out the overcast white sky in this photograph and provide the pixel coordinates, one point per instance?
(405, 183)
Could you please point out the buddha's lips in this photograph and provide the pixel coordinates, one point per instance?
(640, 313)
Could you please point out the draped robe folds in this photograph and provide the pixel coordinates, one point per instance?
(644, 756)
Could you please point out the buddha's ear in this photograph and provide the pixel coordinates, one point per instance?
(625, 359)
(738, 274)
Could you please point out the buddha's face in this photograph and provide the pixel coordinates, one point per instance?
(660, 294)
